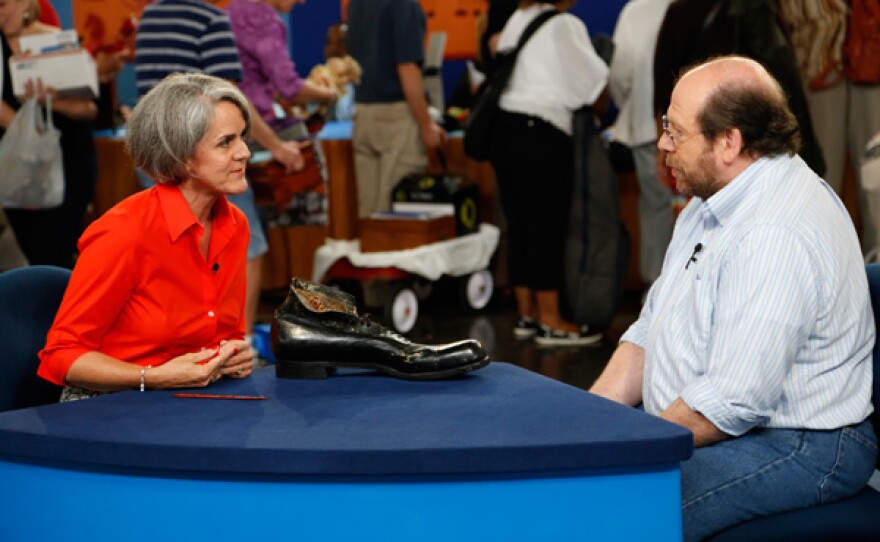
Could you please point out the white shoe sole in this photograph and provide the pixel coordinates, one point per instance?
(524, 333)
(564, 341)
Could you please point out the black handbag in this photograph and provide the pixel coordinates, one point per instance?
(478, 132)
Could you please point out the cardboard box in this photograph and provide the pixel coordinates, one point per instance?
(385, 232)
(38, 44)
(71, 73)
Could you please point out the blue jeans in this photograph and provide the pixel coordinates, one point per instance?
(257, 244)
(768, 471)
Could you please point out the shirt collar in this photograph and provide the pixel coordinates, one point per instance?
(179, 217)
(724, 204)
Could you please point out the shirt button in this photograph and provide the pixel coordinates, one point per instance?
(211, 314)
(531, 123)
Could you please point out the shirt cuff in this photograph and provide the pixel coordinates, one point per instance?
(702, 397)
(636, 334)
(54, 365)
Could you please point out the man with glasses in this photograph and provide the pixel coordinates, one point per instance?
(758, 334)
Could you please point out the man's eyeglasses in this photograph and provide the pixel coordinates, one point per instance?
(676, 136)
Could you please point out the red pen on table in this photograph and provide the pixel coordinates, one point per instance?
(219, 396)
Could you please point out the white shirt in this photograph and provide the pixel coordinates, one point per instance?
(772, 325)
(631, 79)
(557, 71)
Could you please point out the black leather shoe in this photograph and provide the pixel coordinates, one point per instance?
(317, 329)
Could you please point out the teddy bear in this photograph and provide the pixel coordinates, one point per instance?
(338, 72)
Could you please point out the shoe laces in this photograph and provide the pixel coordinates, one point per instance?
(374, 326)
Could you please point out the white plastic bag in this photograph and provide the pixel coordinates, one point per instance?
(31, 169)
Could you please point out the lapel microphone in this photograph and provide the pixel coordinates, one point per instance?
(693, 259)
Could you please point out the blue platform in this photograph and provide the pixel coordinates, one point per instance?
(500, 454)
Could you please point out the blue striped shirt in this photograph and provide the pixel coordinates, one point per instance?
(772, 325)
(184, 36)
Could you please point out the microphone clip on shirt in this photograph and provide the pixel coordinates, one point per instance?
(215, 267)
(693, 259)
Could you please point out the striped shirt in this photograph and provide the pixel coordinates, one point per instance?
(184, 36)
(770, 324)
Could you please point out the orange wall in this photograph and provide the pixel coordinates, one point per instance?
(99, 20)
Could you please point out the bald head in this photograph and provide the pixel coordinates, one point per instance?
(733, 72)
(735, 92)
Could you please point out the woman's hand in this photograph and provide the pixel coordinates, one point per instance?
(241, 362)
(36, 89)
(75, 108)
(198, 369)
(100, 372)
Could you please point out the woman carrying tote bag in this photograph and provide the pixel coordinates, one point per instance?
(48, 236)
(557, 72)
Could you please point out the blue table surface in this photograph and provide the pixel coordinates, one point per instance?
(340, 129)
(499, 420)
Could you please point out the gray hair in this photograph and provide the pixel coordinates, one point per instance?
(168, 122)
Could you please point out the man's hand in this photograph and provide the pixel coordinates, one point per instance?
(414, 91)
(705, 432)
(433, 135)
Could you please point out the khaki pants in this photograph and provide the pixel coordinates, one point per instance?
(387, 147)
(845, 117)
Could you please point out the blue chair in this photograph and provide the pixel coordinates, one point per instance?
(29, 299)
(853, 519)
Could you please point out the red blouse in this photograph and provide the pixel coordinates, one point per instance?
(141, 291)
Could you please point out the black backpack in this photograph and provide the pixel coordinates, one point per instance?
(478, 132)
(597, 246)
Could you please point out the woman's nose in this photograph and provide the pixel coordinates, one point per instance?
(243, 152)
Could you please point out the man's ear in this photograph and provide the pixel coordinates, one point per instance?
(731, 145)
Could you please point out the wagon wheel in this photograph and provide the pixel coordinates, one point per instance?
(477, 289)
(402, 308)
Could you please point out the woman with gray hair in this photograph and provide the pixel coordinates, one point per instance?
(156, 299)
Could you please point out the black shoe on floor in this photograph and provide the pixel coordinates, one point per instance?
(548, 336)
(525, 328)
(317, 329)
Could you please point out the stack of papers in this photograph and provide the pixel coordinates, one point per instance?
(57, 60)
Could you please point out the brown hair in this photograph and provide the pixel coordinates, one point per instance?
(762, 116)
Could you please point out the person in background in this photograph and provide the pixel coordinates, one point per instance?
(496, 17)
(392, 125)
(111, 56)
(695, 30)
(193, 36)
(335, 42)
(335, 46)
(557, 72)
(156, 299)
(758, 334)
(48, 236)
(845, 112)
(268, 73)
(631, 83)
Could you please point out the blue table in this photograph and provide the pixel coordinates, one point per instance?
(502, 454)
(339, 129)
